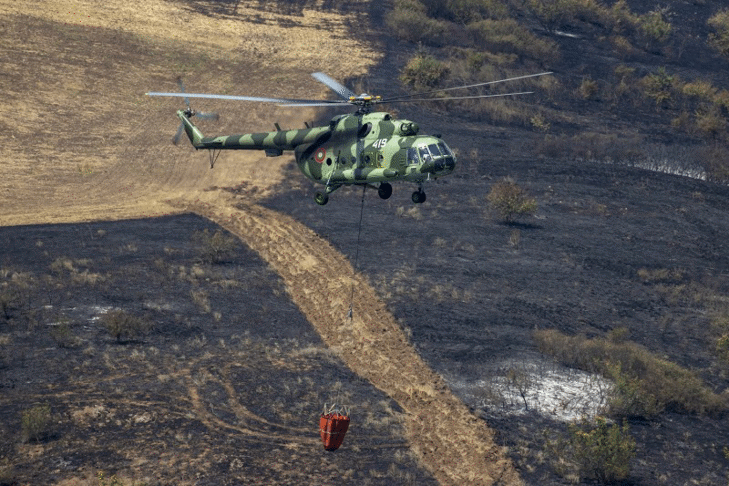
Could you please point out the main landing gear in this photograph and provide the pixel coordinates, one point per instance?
(322, 198)
(419, 196)
(385, 190)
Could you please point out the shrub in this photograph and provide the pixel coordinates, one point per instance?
(412, 24)
(720, 39)
(589, 88)
(552, 14)
(700, 89)
(124, 327)
(466, 11)
(659, 86)
(507, 35)
(709, 121)
(35, 423)
(715, 160)
(510, 201)
(423, 72)
(654, 27)
(215, 247)
(623, 20)
(645, 384)
(603, 452)
(64, 337)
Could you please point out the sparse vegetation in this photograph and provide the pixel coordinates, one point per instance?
(510, 201)
(124, 327)
(600, 451)
(655, 27)
(659, 86)
(645, 384)
(64, 337)
(720, 38)
(215, 247)
(35, 423)
(423, 72)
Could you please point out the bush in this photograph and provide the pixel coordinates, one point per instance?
(507, 35)
(659, 86)
(720, 39)
(35, 423)
(654, 27)
(589, 88)
(510, 201)
(715, 160)
(124, 327)
(215, 247)
(64, 337)
(603, 452)
(423, 72)
(410, 23)
(466, 11)
(645, 384)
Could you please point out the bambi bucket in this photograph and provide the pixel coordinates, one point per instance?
(332, 427)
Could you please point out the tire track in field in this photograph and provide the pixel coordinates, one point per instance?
(457, 447)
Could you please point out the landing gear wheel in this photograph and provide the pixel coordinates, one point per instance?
(418, 197)
(385, 190)
(321, 198)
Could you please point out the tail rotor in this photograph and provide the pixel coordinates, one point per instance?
(190, 112)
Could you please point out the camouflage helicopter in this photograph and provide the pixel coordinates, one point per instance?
(363, 148)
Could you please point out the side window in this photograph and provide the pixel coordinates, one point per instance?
(412, 156)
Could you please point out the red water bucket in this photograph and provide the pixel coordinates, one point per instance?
(332, 427)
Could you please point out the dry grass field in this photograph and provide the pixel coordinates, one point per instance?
(83, 143)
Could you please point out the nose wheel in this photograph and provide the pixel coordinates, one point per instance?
(419, 196)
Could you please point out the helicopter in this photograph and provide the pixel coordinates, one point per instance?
(363, 148)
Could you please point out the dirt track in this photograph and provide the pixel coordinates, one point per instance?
(456, 446)
(100, 159)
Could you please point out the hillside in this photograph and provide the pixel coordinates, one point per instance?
(610, 300)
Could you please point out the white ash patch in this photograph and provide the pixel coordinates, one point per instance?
(549, 389)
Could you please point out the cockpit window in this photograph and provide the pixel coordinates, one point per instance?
(434, 150)
(444, 149)
(424, 154)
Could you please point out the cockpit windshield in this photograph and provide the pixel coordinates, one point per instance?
(427, 153)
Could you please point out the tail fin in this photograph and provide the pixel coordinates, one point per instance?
(193, 133)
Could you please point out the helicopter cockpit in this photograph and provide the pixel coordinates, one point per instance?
(437, 154)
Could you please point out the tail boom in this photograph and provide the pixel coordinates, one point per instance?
(269, 141)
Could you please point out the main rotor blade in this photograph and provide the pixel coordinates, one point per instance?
(318, 103)
(182, 90)
(176, 138)
(459, 97)
(237, 98)
(343, 92)
(397, 98)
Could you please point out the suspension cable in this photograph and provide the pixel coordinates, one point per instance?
(356, 253)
